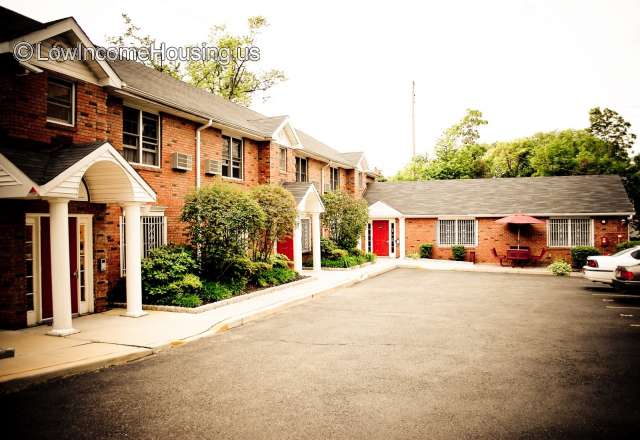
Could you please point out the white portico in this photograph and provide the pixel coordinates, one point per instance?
(60, 175)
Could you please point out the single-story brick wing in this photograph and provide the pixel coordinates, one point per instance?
(575, 211)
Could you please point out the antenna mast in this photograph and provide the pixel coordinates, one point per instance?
(413, 118)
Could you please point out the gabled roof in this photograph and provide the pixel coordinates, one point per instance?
(306, 196)
(597, 194)
(318, 148)
(42, 162)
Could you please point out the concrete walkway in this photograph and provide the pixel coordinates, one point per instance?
(108, 338)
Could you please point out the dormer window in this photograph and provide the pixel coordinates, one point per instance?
(61, 101)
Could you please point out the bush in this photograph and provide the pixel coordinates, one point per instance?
(579, 255)
(220, 219)
(279, 208)
(560, 267)
(348, 261)
(338, 253)
(426, 250)
(279, 260)
(275, 276)
(627, 245)
(187, 301)
(213, 291)
(414, 256)
(327, 246)
(345, 217)
(164, 272)
(457, 252)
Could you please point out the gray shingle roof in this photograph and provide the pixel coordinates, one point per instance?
(531, 195)
(298, 189)
(314, 146)
(43, 162)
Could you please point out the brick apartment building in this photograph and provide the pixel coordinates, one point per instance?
(96, 159)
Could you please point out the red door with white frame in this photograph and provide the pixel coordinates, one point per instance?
(381, 237)
(45, 252)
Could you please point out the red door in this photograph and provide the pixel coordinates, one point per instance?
(381, 238)
(45, 257)
(285, 247)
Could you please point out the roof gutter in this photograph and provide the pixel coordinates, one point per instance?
(198, 130)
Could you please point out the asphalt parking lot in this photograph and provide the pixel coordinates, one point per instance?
(409, 354)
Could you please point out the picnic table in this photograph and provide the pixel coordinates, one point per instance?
(518, 257)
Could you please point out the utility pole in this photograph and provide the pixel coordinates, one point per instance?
(413, 119)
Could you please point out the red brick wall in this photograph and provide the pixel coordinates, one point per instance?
(491, 234)
(23, 109)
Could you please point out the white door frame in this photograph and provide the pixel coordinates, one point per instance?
(34, 317)
(389, 245)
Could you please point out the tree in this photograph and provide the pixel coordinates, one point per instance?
(510, 159)
(345, 218)
(232, 78)
(279, 208)
(131, 37)
(220, 220)
(415, 170)
(229, 74)
(609, 126)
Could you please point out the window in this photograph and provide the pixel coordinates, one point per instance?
(232, 157)
(81, 263)
(305, 225)
(369, 237)
(569, 232)
(154, 234)
(61, 101)
(140, 136)
(283, 159)
(457, 232)
(335, 179)
(28, 260)
(301, 169)
(392, 237)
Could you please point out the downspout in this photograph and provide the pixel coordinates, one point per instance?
(198, 130)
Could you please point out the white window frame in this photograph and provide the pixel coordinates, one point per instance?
(230, 152)
(73, 103)
(282, 153)
(299, 159)
(570, 243)
(306, 221)
(139, 148)
(123, 247)
(334, 178)
(455, 232)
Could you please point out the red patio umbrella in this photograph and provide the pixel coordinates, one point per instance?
(519, 219)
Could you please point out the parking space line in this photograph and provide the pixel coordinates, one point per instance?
(622, 307)
(616, 295)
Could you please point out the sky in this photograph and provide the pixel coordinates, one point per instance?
(529, 66)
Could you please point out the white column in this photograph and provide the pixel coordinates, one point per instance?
(315, 228)
(297, 245)
(134, 277)
(60, 267)
(403, 247)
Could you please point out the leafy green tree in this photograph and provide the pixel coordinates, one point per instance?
(510, 159)
(233, 78)
(231, 75)
(612, 128)
(220, 219)
(279, 208)
(345, 218)
(416, 169)
(131, 37)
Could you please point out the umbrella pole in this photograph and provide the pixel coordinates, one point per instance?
(518, 237)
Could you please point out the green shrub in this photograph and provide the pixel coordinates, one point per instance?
(274, 277)
(279, 260)
(345, 217)
(370, 257)
(426, 250)
(279, 208)
(414, 256)
(627, 245)
(356, 252)
(560, 267)
(214, 291)
(164, 272)
(338, 253)
(579, 255)
(220, 219)
(457, 252)
(348, 261)
(327, 246)
(187, 301)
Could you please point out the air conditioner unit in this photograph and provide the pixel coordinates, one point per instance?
(213, 167)
(181, 161)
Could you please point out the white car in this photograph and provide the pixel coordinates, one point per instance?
(601, 268)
